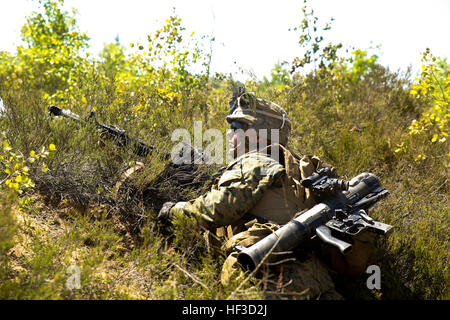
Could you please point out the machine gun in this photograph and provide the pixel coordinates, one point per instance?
(122, 139)
(340, 215)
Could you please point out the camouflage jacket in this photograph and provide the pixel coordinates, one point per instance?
(244, 183)
(239, 188)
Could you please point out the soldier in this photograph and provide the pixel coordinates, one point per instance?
(256, 194)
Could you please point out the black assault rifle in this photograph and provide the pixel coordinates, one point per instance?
(122, 139)
(340, 215)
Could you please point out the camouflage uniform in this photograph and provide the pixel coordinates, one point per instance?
(255, 195)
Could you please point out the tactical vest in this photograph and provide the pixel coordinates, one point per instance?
(286, 197)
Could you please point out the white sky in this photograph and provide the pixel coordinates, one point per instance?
(254, 33)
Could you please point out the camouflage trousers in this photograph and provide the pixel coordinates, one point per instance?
(306, 279)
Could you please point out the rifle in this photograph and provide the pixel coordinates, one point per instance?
(122, 139)
(340, 214)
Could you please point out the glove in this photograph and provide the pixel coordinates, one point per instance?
(163, 214)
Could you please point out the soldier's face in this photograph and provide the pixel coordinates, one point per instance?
(241, 139)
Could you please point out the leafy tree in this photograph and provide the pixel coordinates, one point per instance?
(279, 74)
(50, 57)
(311, 40)
(112, 58)
(434, 87)
(361, 64)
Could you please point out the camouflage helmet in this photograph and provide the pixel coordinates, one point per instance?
(259, 114)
